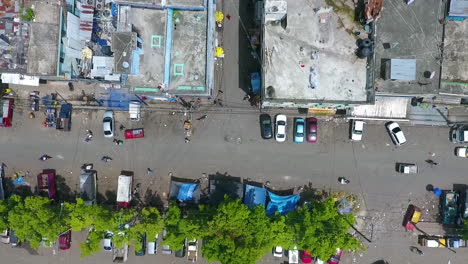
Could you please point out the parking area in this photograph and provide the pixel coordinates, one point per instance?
(232, 144)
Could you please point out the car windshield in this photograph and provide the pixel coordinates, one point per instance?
(396, 130)
(107, 132)
(280, 136)
(281, 123)
(266, 122)
(358, 132)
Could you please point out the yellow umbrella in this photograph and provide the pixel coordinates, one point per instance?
(219, 16)
(219, 52)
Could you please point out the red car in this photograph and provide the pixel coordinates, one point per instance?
(306, 257)
(311, 129)
(134, 133)
(65, 240)
(6, 111)
(335, 259)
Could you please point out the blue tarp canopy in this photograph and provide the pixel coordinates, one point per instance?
(282, 204)
(254, 196)
(185, 191)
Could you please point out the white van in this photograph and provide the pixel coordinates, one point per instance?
(134, 110)
(293, 256)
(153, 246)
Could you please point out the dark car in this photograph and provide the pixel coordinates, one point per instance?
(311, 129)
(142, 251)
(65, 240)
(266, 127)
(181, 252)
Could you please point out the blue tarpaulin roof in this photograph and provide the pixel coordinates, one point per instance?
(282, 204)
(186, 191)
(254, 196)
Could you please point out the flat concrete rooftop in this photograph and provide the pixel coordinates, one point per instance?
(188, 56)
(409, 32)
(150, 25)
(44, 39)
(311, 61)
(185, 69)
(454, 78)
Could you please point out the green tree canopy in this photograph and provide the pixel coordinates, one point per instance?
(237, 234)
(320, 229)
(150, 222)
(35, 218)
(179, 228)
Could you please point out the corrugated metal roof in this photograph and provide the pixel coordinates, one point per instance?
(403, 69)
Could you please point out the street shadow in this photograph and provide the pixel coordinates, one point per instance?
(64, 192)
(380, 262)
(25, 245)
(221, 184)
(110, 198)
(153, 199)
(21, 190)
(308, 193)
(247, 48)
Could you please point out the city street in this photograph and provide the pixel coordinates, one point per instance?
(230, 143)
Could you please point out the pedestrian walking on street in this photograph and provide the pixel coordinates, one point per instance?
(431, 162)
(149, 171)
(187, 140)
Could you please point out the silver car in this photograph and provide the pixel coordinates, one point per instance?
(108, 124)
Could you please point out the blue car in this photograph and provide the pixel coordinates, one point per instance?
(299, 130)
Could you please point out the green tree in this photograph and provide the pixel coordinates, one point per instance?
(320, 229)
(92, 244)
(150, 222)
(179, 228)
(121, 223)
(237, 234)
(35, 218)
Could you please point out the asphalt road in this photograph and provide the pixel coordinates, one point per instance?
(230, 143)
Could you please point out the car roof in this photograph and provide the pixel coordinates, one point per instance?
(281, 117)
(358, 124)
(108, 114)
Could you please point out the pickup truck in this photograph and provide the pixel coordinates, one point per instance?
(192, 254)
(432, 241)
(88, 186)
(120, 255)
(124, 191)
(46, 183)
(450, 208)
(407, 168)
(64, 118)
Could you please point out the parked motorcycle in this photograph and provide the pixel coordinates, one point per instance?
(343, 180)
(45, 157)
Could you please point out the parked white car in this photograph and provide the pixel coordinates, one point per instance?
(108, 245)
(396, 133)
(357, 130)
(280, 124)
(278, 252)
(108, 124)
(461, 152)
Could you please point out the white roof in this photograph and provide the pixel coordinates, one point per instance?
(124, 189)
(432, 243)
(359, 125)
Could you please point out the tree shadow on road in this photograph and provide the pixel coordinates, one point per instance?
(153, 199)
(309, 193)
(109, 199)
(64, 191)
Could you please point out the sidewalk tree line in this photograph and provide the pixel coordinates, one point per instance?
(231, 232)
